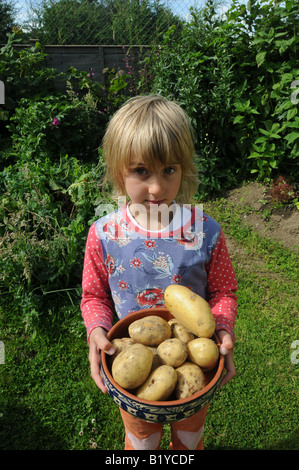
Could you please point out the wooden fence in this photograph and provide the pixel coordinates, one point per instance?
(85, 57)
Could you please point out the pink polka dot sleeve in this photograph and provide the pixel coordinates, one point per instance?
(222, 287)
(96, 303)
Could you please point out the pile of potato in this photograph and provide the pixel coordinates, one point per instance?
(161, 360)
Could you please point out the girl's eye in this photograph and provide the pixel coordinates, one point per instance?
(140, 171)
(169, 170)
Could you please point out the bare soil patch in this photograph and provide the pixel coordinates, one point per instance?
(262, 214)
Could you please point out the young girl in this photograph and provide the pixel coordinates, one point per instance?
(154, 240)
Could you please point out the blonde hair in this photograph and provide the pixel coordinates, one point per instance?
(151, 127)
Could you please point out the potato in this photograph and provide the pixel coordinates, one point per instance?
(151, 330)
(120, 344)
(173, 352)
(132, 366)
(159, 385)
(180, 332)
(204, 352)
(190, 379)
(191, 310)
(157, 361)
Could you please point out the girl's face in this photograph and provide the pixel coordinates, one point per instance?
(153, 188)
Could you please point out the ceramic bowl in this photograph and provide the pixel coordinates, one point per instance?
(156, 411)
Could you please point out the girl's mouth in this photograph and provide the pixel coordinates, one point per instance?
(155, 203)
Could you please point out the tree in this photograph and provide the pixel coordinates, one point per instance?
(102, 21)
(139, 21)
(6, 19)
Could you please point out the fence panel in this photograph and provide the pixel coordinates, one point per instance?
(85, 58)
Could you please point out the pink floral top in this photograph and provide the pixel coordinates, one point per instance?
(127, 268)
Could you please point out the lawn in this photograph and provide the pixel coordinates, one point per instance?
(49, 401)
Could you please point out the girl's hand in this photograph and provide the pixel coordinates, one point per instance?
(226, 349)
(98, 342)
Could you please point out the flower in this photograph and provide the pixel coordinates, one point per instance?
(161, 263)
(110, 263)
(150, 297)
(56, 122)
(135, 262)
(176, 278)
(123, 285)
(90, 74)
(116, 232)
(150, 244)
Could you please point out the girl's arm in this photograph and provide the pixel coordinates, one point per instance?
(96, 303)
(222, 287)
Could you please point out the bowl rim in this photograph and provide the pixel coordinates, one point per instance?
(168, 403)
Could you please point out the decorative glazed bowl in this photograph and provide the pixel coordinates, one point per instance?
(156, 411)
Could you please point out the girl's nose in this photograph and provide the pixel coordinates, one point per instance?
(155, 185)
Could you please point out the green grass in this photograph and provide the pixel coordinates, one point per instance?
(259, 408)
(49, 401)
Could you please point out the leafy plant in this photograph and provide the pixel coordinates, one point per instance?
(265, 124)
(282, 190)
(56, 125)
(24, 73)
(45, 209)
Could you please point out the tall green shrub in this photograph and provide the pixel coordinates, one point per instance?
(266, 114)
(233, 75)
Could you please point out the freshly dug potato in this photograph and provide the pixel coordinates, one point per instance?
(157, 361)
(180, 332)
(191, 310)
(204, 352)
(159, 385)
(151, 330)
(132, 366)
(173, 352)
(191, 379)
(120, 344)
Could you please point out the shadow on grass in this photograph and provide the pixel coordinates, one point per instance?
(21, 429)
(289, 443)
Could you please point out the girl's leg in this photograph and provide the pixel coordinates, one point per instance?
(187, 434)
(141, 435)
